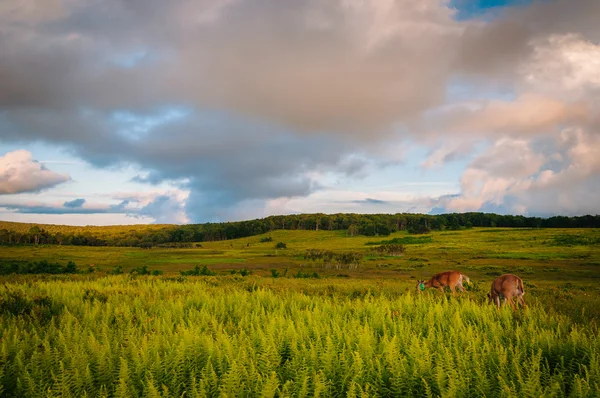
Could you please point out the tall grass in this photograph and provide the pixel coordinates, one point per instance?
(230, 336)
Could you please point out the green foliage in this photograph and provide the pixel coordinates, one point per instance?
(266, 239)
(182, 236)
(575, 240)
(305, 275)
(405, 240)
(242, 272)
(197, 271)
(94, 295)
(325, 256)
(276, 274)
(339, 260)
(143, 270)
(280, 245)
(40, 309)
(118, 270)
(283, 337)
(391, 249)
(36, 267)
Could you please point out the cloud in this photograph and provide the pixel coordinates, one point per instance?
(245, 102)
(560, 175)
(74, 203)
(370, 201)
(49, 209)
(163, 207)
(528, 114)
(20, 173)
(259, 58)
(165, 210)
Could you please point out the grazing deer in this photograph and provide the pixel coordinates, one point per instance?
(452, 279)
(507, 286)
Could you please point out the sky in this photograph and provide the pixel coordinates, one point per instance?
(146, 111)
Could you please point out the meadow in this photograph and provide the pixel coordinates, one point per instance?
(314, 329)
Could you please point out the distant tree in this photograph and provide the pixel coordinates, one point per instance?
(353, 230)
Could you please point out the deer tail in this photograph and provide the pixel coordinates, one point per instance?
(466, 278)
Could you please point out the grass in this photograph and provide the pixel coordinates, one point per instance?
(404, 240)
(256, 336)
(349, 332)
(442, 250)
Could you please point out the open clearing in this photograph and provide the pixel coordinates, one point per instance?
(349, 332)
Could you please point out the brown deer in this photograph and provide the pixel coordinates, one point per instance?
(452, 279)
(507, 286)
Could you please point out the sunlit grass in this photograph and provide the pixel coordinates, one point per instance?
(234, 336)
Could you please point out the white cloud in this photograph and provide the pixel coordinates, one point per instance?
(564, 65)
(560, 176)
(20, 173)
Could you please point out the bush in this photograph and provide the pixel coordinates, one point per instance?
(42, 308)
(280, 245)
(392, 249)
(305, 275)
(118, 270)
(266, 239)
(39, 267)
(242, 272)
(197, 271)
(70, 268)
(142, 270)
(92, 295)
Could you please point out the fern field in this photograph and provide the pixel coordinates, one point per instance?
(224, 336)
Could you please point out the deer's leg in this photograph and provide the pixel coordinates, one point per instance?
(460, 287)
(497, 301)
(512, 303)
(522, 301)
(452, 290)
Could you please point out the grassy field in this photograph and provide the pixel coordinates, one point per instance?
(547, 255)
(349, 332)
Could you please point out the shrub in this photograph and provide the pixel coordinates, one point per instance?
(42, 308)
(280, 245)
(94, 295)
(118, 270)
(392, 249)
(242, 272)
(141, 270)
(197, 271)
(266, 239)
(306, 275)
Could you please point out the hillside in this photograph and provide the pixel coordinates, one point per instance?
(354, 224)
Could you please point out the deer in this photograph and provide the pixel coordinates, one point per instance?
(507, 286)
(452, 279)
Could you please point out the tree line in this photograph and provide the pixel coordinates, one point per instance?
(353, 224)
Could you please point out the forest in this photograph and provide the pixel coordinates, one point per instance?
(180, 236)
